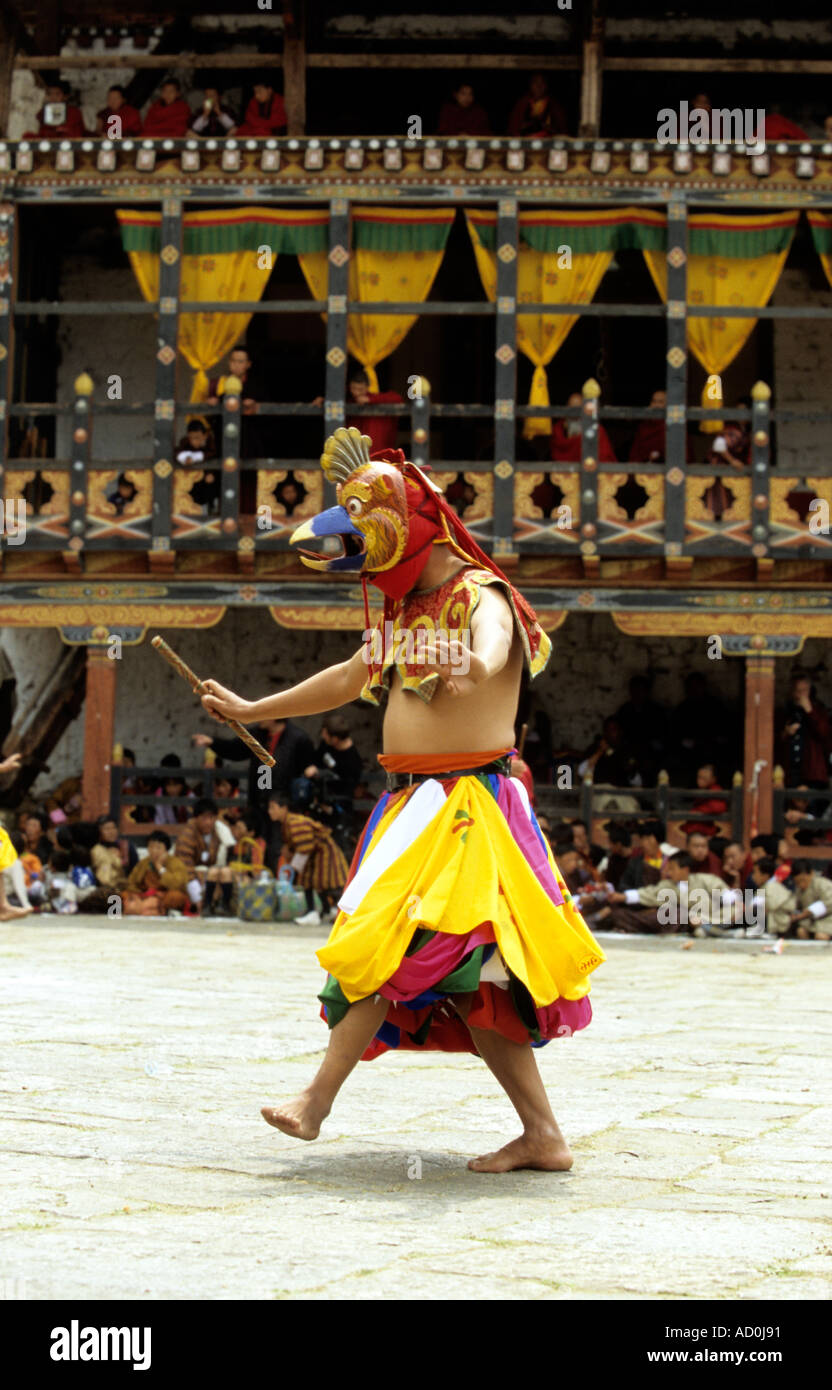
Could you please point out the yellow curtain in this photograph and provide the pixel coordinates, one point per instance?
(542, 278)
(375, 273)
(726, 279)
(204, 339)
(821, 227)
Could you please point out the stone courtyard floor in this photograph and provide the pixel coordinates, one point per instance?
(136, 1056)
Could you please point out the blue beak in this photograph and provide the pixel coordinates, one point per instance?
(335, 521)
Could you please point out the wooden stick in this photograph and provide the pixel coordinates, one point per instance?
(160, 645)
(521, 742)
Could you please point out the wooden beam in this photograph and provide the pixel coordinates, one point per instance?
(99, 732)
(294, 65)
(497, 61)
(732, 65)
(8, 50)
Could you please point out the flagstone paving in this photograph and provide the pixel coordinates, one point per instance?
(136, 1056)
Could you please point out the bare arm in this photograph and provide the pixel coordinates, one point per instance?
(337, 685)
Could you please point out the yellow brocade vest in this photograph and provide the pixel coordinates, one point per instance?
(445, 611)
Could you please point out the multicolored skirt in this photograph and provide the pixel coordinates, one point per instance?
(452, 891)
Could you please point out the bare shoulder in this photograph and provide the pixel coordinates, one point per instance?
(493, 606)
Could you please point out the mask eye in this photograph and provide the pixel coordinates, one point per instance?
(354, 506)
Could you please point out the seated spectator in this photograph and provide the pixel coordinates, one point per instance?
(35, 839)
(195, 448)
(31, 891)
(813, 892)
(736, 865)
(650, 442)
(536, 113)
(91, 896)
(706, 779)
(779, 127)
(566, 438)
(462, 115)
(58, 118)
(172, 785)
(265, 113)
(214, 119)
(61, 893)
(158, 883)
(703, 859)
(169, 116)
(198, 845)
(609, 762)
(649, 858)
(650, 909)
(620, 841)
(336, 757)
(761, 847)
(249, 852)
(778, 904)
(118, 120)
(382, 429)
(732, 446)
(318, 862)
(113, 858)
(584, 848)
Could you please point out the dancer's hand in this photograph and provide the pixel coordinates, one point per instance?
(457, 666)
(11, 764)
(224, 704)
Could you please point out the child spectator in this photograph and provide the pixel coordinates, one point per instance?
(58, 118)
(195, 448)
(215, 119)
(33, 873)
(172, 785)
(169, 116)
(702, 857)
(620, 841)
(61, 892)
(318, 862)
(706, 780)
(118, 120)
(462, 114)
(536, 113)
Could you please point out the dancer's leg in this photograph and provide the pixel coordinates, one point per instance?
(541, 1145)
(302, 1118)
(7, 913)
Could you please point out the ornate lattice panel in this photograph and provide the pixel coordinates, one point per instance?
(631, 508)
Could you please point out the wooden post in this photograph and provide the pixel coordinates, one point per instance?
(591, 68)
(8, 53)
(99, 730)
(164, 432)
(676, 390)
(294, 65)
(759, 742)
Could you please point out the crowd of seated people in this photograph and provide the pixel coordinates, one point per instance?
(637, 882)
(188, 855)
(169, 115)
(535, 113)
(729, 449)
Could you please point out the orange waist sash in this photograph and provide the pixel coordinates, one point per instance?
(431, 763)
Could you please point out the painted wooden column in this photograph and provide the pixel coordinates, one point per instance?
(164, 427)
(336, 323)
(676, 388)
(99, 731)
(7, 261)
(760, 465)
(759, 743)
(591, 72)
(8, 52)
(505, 380)
(590, 454)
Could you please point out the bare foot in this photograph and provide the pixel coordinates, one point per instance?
(8, 913)
(300, 1119)
(548, 1151)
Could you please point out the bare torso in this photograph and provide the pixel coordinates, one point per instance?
(478, 722)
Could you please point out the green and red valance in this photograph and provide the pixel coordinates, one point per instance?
(401, 229)
(286, 231)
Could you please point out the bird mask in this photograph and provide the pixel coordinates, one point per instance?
(389, 515)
